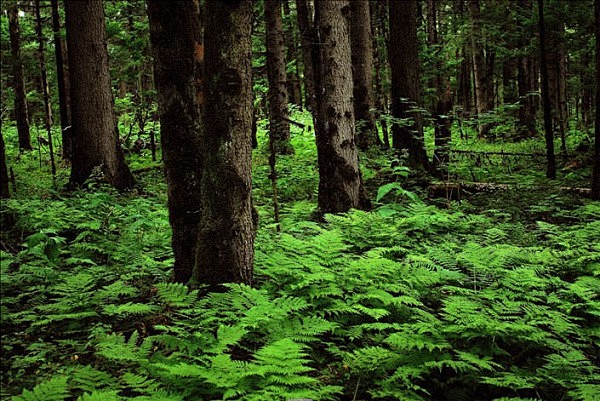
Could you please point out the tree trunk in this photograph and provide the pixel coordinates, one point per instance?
(294, 86)
(362, 62)
(305, 25)
(4, 191)
(21, 113)
(225, 248)
(463, 91)
(379, 18)
(442, 98)
(175, 68)
(44, 82)
(406, 85)
(526, 116)
(279, 126)
(96, 139)
(62, 78)
(481, 68)
(340, 184)
(596, 171)
(549, 135)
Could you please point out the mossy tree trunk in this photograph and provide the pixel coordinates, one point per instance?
(21, 113)
(96, 144)
(362, 62)
(225, 248)
(279, 125)
(340, 184)
(406, 85)
(174, 28)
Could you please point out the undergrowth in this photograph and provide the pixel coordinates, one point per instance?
(473, 301)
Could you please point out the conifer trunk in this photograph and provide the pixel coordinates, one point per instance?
(596, 171)
(305, 26)
(96, 144)
(4, 191)
(340, 184)
(227, 219)
(21, 112)
(175, 69)
(549, 134)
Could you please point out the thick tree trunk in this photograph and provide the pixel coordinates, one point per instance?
(340, 184)
(406, 85)
(279, 126)
(4, 191)
(596, 171)
(96, 141)
(362, 62)
(175, 68)
(225, 249)
(549, 134)
(305, 24)
(481, 68)
(62, 78)
(21, 113)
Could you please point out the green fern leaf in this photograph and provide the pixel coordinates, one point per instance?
(55, 389)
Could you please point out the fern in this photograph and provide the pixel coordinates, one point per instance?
(55, 389)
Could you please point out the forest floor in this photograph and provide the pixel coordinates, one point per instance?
(491, 297)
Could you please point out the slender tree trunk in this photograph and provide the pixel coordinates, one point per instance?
(362, 62)
(225, 248)
(379, 18)
(483, 80)
(549, 135)
(596, 171)
(62, 78)
(175, 69)
(527, 109)
(279, 125)
(406, 85)
(21, 113)
(294, 86)
(442, 99)
(305, 25)
(44, 82)
(4, 191)
(96, 141)
(340, 184)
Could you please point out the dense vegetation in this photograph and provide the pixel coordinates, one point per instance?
(466, 266)
(490, 298)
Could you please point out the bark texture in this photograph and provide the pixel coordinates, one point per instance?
(406, 85)
(549, 134)
(340, 184)
(21, 113)
(362, 62)
(227, 220)
(4, 191)
(279, 126)
(62, 78)
(96, 141)
(173, 35)
(305, 26)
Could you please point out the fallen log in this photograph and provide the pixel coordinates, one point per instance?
(457, 190)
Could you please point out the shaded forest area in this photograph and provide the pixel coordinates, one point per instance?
(300, 199)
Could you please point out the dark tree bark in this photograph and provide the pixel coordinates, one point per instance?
(44, 82)
(406, 85)
(463, 91)
(62, 78)
(526, 117)
(596, 171)
(305, 26)
(340, 184)
(442, 98)
(379, 18)
(279, 126)
(549, 135)
(96, 138)
(362, 61)
(21, 113)
(227, 219)
(481, 67)
(174, 28)
(294, 85)
(4, 191)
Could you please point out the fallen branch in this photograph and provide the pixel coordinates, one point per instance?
(477, 152)
(456, 190)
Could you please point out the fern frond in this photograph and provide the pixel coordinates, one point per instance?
(55, 389)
